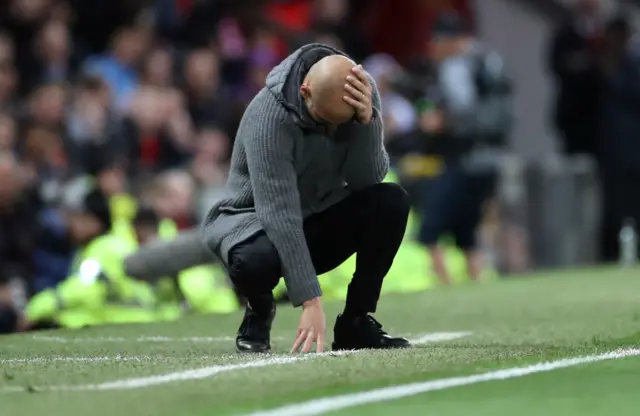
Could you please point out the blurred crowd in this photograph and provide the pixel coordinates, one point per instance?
(139, 100)
(594, 57)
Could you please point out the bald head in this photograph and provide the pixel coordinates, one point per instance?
(323, 89)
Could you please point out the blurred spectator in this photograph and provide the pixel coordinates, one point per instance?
(158, 68)
(61, 11)
(399, 114)
(106, 172)
(88, 216)
(82, 217)
(118, 67)
(51, 61)
(620, 132)
(172, 195)
(91, 125)
(330, 12)
(24, 19)
(158, 131)
(111, 178)
(329, 39)
(189, 23)
(7, 48)
(206, 99)
(475, 96)
(47, 104)
(575, 61)
(262, 59)
(109, 175)
(8, 75)
(233, 46)
(53, 250)
(43, 159)
(337, 24)
(94, 22)
(7, 134)
(210, 166)
(17, 219)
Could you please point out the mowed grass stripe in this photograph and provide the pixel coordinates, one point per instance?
(345, 401)
(188, 375)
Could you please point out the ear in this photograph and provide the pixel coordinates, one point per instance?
(305, 91)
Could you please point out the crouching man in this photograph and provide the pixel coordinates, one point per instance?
(304, 193)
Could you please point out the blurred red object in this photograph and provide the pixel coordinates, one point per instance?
(184, 7)
(402, 28)
(293, 15)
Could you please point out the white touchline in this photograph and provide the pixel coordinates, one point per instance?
(39, 360)
(102, 359)
(334, 403)
(188, 375)
(196, 374)
(438, 337)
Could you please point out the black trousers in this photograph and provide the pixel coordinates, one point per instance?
(370, 223)
(453, 204)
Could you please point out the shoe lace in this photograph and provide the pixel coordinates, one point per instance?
(373, 324)
(255, 326)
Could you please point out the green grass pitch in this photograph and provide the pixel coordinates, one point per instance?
(190, 367)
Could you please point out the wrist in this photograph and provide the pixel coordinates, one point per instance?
(311, 302)
(371, 117)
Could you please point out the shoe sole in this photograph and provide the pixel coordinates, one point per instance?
(240, 351)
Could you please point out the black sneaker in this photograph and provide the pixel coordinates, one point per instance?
(254, 334)
(363, 333)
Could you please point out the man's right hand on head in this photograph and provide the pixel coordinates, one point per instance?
(312, 327)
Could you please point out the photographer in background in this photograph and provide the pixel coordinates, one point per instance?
(476, 100)
(398, 113)
(419, 155)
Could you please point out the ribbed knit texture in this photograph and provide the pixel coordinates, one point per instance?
(282, 172)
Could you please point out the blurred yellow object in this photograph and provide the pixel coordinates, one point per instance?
(421, 166)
